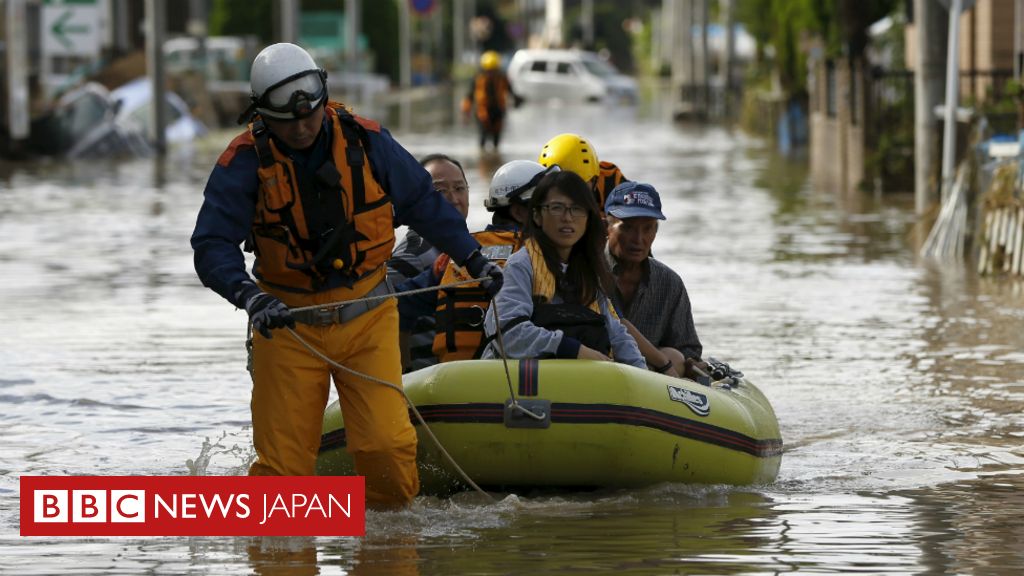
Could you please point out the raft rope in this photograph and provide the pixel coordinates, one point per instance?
(515, 405)
(376, 380)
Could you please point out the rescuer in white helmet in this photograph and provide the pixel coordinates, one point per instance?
(316, 192)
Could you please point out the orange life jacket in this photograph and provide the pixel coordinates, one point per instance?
(362, 235)
(489, 95)
(461, 310)
(609, 176)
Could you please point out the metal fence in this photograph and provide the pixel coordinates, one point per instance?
(890, 109)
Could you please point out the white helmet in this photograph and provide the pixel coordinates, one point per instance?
(286, 83)
(515, 181)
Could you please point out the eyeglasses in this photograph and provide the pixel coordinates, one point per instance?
(557, 209)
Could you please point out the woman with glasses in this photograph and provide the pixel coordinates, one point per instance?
(553, 303)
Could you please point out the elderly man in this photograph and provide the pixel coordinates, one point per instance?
(648, 294)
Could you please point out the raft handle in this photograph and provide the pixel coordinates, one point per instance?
(527, 413)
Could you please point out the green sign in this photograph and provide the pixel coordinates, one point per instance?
(71, 28)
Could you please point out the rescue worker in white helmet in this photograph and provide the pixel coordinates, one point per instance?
(576, 154)
(487, 99)
(459, 311)
(316, 192)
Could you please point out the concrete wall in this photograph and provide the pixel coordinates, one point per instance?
(837, 147)
(986, 43)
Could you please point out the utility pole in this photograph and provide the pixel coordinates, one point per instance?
(553, 24)
(404, 46)
(17, 70)
(458, 34)
(120, 27)
(471, 13)
(705, 59)
(729, 53)
(729, 56)
(952, 93)
(156, 29)
(288, 11)
(587, 23)
(928, 86)
(353, 27)
(197, 28)
(682, 54)
(1018, 56)
(1018, 39)
(437, 24)
(404, 65)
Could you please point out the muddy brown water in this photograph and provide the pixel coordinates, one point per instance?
(899, 385)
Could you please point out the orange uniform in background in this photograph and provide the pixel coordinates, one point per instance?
(487, 99)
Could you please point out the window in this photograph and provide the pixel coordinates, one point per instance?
(565, 68)
(538, 66)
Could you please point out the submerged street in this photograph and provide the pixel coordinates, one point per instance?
(899, 385)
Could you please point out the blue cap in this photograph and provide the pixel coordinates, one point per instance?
(634, 200)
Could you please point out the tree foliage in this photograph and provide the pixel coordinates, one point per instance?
(789, 27)
(242, 17)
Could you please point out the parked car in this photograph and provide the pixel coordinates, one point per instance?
(133, 104)
(93, 122)
(570, 75)
(228, 58)
(81, 125)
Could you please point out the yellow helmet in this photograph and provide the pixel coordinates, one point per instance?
(570, 152)
(490, 60)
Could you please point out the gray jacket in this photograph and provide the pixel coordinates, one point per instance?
(526, 339)
(660, 309)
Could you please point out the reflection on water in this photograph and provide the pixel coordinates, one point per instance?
(898, 385)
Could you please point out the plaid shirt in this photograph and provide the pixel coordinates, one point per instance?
(660, 308)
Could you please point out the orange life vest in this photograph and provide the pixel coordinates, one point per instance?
(489, 95)
(461, 310)
(609, 176)
(362, 235)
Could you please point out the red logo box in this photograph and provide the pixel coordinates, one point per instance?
(193, 506)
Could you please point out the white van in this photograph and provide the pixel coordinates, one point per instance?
(571, 75)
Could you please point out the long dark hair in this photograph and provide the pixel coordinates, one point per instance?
(587, 271)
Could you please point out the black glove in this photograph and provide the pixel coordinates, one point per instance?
(265, 311)
(479, 267)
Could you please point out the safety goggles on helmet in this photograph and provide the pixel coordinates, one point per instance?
(293, 98)
(517, 193)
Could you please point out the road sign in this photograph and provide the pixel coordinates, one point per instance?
(422, 6)
(71, 28)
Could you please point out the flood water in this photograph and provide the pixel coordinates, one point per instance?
(899, 385)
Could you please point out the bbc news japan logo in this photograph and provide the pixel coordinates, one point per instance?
(192, 506)
(59, 506)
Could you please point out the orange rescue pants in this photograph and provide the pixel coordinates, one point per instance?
(290, 391)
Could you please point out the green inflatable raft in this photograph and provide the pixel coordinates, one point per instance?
(579, 424)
